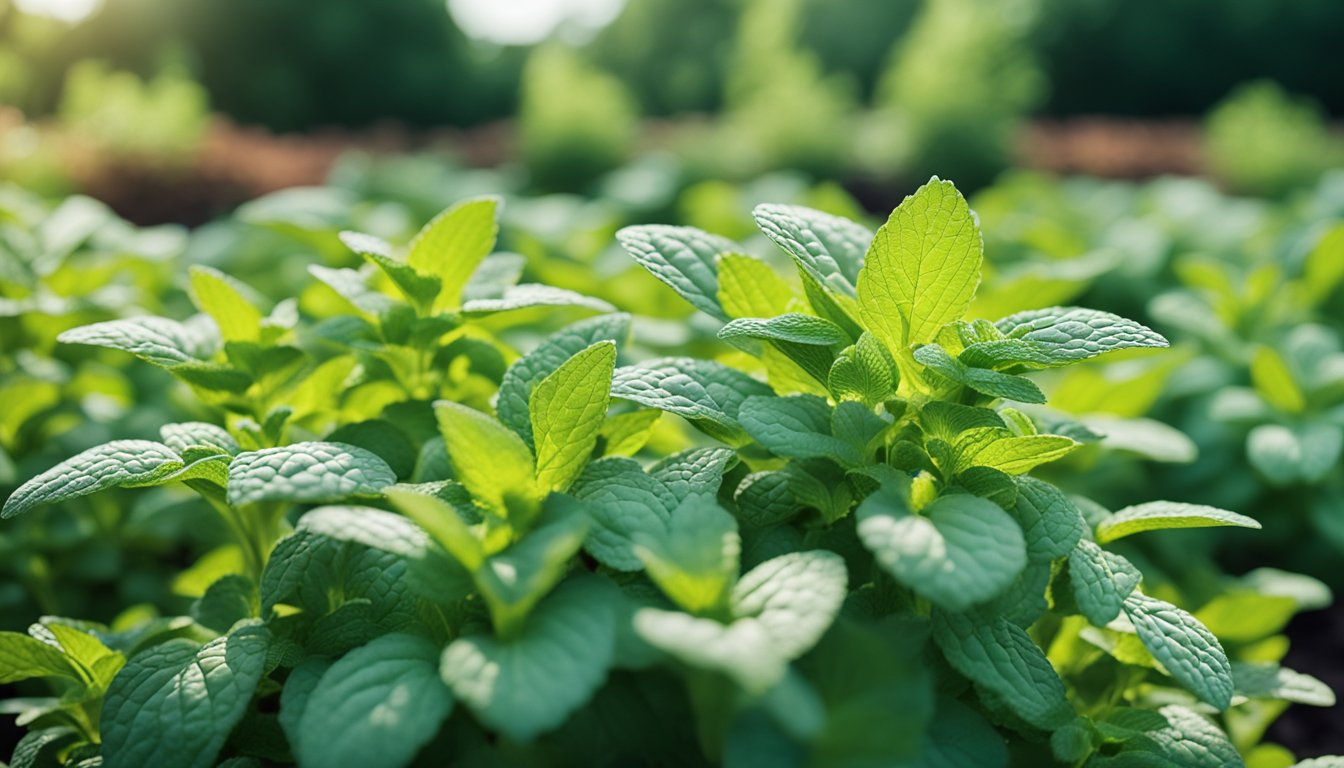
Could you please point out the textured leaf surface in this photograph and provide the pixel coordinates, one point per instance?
(1191, 741)
(623, 502)
(797, 427)
(982, 380)
(1046, 338)
(962, 551)
(1101, 582)
(23, 656)
(118, 464)
(830, 248)
(377, 705)
(307, 473)
(567, 409)
(1013, 454)
(694, 558)
(182, 436)
(218, 295)
(748, 287)
(1267, 680)
(454, 243)
(922, 268)
(694, 389)
(1000, 656)
(863, 372)
(530, 684)
(156, 340)
(489, 459)
(533, 295)
(791, 327)
(175, 704)
(1158, 515)
(1051, 523)
(1187, 649)
(683, 257)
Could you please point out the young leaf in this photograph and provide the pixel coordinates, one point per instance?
(922, 268)
(175, 703)
(527, 685)
(1101, 582)
(863, 372)
(963, 550)
(683, 257)
(377, 705)
(748, 287)
(790, 327)
(1267, 680)
(492, 462)
(830, 248)
(982, 380)
(118, 464)
(1158, 515)
(453, 244)
(1048, 338)
(180, 437)
(1187, 649)
(23, 656)
(219, 296)
(419, 289)
(307, 473)
(567, 409)
(1011, 454)
(694, 559)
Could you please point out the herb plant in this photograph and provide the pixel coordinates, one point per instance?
(447, 552)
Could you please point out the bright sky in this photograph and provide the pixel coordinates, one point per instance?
(519, 22)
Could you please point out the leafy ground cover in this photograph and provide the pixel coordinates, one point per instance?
(404, 497)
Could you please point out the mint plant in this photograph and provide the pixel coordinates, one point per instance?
(439, 556)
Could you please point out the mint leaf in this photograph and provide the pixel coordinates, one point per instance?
(698, 470)
(623, 502)
(175, 703)
(748, 287)
(961, 551)
(377, 705)
(1051, 523)
(221, 297)
(1001, 656)
(533, 295)
(864, 372)
(453, 244)
(307, 473)
(1303, 453)
(23, 657)
(180, 437)
(491, 461)
(791, 327)
(419, 289)
(567, 409)
(921, 269)
(1012, 454)
(982, 380)
(1048, 338)
(960, 738)
(684, 258)
(1101, 582)
(829, 248)
(1158, 515)
(530, 684)
(118, 464)
(797, 427)
(1267, 680)
(163, 342)
(1188, 650)
(694, 558)
(707, 393)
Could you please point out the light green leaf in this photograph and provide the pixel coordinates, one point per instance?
(1267, 680)
(1101, 581)
(1238, 616)
(514, 580)
(694, 559)
(219, 296)
(515, 390)
(533, 295)
(23, 656)
(685, 258)
(1056, 336)
(797, 427)
(748, 287)
(419, 289)
(1051, 523)
(158, 340)
(790, 327)
(377, 705)
(453, 244)
(175, 704)
(182, 436)
(625, 434)
(118, 464)
(1323, 270)
(1012, 454)
(491, 461)
(982, 380)
(307, 473)
(1304, 453)
(567, 409)
(1158, 515)
(441, 521)
(353, 286)
(922, 268)
(963, 549)
(1274, 382)
(705, 392)
(1001, 656)
(830, 248)
(530, 684)
(1186, 648)
(863, 372)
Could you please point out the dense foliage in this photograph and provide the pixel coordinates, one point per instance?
(441, 514)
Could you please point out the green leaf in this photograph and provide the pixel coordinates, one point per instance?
(1323, 270)
(1158, 515)
(625, 434)
(118, 464)
(1012, 454)
(1191, 741)
(180, 437)
(227, 601)
(698, 470)
(219, 296)
(1101, 581)
(491, 461)
(1267, 680)
(567, 409)
(353, 286)
(748, 287)
(307, 473)
(1001, 656)
(533, 295)
(23, 657)
(1056, 336)
(922, 268)
(163, 342)
(982, 380)
(453, 244)
(515, 390)
(705, 392)
(1051, 524)
(514, 580)
(958, 737)
(830, 248)
(694, 558)
(377, 705)
(1186, 648)
(420, 290)
(530, 684)
(1245, 617)
(1275, 383)
(623, 503)
(963, 549)
(863, 372)
(175, 704)
(1304, 453)
(797, 427)
(792, 327)
(684, 258)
